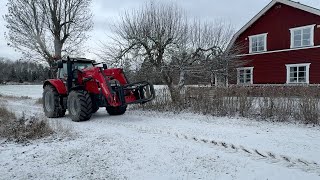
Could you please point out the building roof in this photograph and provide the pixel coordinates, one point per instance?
(269, 6)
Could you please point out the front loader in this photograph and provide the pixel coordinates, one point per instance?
(83, 86)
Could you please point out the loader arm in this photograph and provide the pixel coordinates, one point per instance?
(97, 75)
(119, 94)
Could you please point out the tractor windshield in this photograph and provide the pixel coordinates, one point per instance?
(76, 65)
(81, 65)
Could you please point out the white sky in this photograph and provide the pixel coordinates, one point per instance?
(237, 12)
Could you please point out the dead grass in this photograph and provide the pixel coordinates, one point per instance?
(14, 97)
(22, 129)
(63, 130)
(5, 115)
(38, 101)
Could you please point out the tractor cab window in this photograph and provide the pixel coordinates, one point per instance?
(62, 74)
(81, 66)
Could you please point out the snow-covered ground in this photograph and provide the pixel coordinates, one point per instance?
(33, 91)
(153, 145)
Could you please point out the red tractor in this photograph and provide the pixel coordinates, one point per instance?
(82, 86)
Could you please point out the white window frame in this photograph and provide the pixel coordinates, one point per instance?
(265, 42)
(301, 28)
(238, 75)
(307, 65)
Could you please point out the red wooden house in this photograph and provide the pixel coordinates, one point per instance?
(281, 44)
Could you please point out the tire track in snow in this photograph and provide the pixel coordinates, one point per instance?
(255, 154)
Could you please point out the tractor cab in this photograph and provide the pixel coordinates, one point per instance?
(77, 63)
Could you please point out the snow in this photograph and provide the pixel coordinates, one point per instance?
(33, 91)
(153, 145)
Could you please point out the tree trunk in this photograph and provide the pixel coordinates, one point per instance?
(174, 91)
(175, 94)
(57, 48)
(213, 79)
(182, 81)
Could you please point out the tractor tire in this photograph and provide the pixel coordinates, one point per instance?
(51, 103)
(114, 111)
(95, 109)
(95, 106)
(79, 105)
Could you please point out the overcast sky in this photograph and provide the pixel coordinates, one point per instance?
(237, 12)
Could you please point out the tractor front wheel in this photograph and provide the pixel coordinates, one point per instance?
(51, 103)
(95, 106)
(95, 109)
(116, 110)
(79, 105)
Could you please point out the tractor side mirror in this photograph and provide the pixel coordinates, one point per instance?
(104, 66)
(60, 64)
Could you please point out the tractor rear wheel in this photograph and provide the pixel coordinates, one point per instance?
(116, 110)
(51, 103)
(79, 105)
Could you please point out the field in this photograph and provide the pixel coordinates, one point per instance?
(155, 145)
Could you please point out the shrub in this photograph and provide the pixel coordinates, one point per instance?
(282, 103)
(22, 129)
(284, 108)
(267, 107)
(5, 118)
(308, 110)
(38, 101)
(5, 114)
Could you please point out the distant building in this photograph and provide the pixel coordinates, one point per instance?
(281, 44)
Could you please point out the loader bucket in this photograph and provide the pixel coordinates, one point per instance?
(143, 91)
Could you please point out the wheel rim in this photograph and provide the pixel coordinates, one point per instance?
(49, 101)
(74, 106)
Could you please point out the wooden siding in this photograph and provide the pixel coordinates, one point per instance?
(277, 22)
(271, 68)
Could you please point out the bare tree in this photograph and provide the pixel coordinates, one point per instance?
(48, 29)
(147, 34)
(203, 51)
(162, 35)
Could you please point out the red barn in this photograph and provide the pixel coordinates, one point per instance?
(281, 45)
